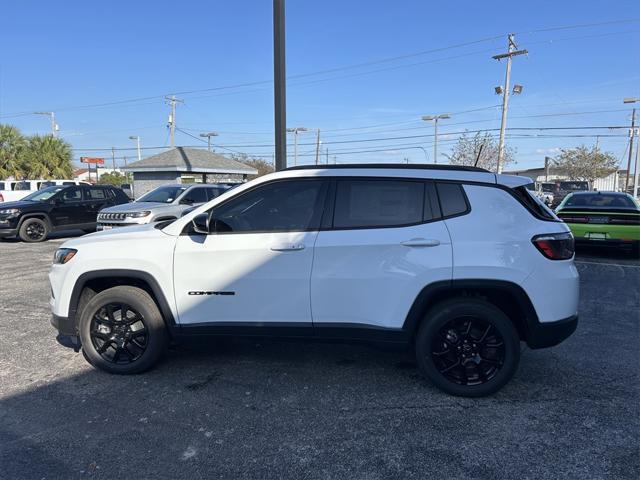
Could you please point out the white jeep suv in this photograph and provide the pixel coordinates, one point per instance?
(456, 262)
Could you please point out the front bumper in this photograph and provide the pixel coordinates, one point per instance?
(8, 232)
(548, 334)
(67, 334)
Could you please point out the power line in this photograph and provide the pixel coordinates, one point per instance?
(333, 70)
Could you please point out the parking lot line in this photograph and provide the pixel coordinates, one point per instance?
(606, 264)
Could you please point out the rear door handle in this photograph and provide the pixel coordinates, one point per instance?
(421, 242)
(288, 247)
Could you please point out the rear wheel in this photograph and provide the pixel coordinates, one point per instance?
(33, 230)
(467, 347)
(122, 330)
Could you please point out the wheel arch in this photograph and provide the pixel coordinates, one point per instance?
(41, 215)
(90, 283)
(507, 296)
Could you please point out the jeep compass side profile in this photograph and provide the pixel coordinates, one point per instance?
(459, 263)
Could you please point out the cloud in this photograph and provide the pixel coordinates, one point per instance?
(548, 151)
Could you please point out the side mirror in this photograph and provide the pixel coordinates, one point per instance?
(200, 223)
(186, 201)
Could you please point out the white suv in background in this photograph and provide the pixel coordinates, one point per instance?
(167, 202)
(458, 263)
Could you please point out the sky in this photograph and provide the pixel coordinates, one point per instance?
(361, 71)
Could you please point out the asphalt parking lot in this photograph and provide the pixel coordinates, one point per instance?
(287, 410)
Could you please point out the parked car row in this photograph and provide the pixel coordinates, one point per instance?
(89, 207)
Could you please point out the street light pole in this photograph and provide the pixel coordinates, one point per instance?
(54, 125)
(295, 141)
(435, 118)
(137, 139)
(512, 52)
(208, 137)
(279, 84)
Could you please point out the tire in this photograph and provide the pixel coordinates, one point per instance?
(140, 340)
(33, 230)
(477, 336)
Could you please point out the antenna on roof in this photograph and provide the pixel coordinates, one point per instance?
(478, 157)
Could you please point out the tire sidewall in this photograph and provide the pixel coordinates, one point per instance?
(144, 304)
(449, 310)
(22, 232)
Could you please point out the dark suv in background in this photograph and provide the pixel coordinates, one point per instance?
(57, 208)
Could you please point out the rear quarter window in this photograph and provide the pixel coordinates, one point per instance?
(453, 201)
(533, 204)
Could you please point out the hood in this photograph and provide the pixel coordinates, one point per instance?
(133, 233)
(22, 204)
(134, 207)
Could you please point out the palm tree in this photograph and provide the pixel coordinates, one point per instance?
(48, 157)
(12, 150)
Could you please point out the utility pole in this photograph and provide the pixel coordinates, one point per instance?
(635, 170)
(113, 159)
(327, 157)
(631, 134)
(435, 118)
(172, 101)
(318, 148)
(279, 84)
(512, 52)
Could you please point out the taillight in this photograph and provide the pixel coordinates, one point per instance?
(1, 198)
(555, 246)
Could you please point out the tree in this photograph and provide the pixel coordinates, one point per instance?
(47, 157)
(12, 150)
(586, 164)
(259, 164)
(113, 178)
(466, 151)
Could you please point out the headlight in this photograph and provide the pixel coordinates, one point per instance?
(10, 211)
(141, 214)
(63, 255)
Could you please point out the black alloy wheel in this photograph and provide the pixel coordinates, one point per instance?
(33, 230)
(119, 333)
(467, 346)
(468, 351)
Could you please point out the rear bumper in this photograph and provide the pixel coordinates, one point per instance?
(548, 334)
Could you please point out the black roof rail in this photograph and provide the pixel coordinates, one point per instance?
(403, 166)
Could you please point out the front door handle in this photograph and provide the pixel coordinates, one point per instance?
(421, 242)
(288, 247)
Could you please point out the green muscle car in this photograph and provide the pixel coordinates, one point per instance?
(609, 218)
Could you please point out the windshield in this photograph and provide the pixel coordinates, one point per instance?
(574, 186)
(600, 200)
(44, 194)
(162, 195)
(548, 187)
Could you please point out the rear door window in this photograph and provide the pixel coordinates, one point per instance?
(453, 201)
(94, 193)
(195, 195)
(373, 203)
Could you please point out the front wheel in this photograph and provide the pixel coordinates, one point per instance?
(122, 331)
(33, 230)
(467, 347)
